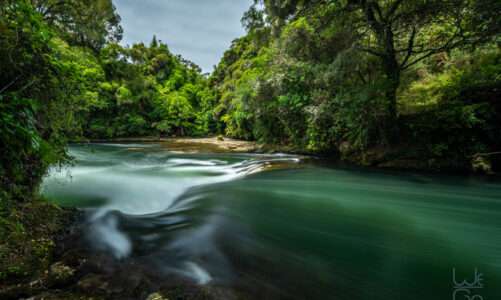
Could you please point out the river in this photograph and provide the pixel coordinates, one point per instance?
(287, 227)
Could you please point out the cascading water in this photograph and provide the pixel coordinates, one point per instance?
(295, 232)
(120, 185)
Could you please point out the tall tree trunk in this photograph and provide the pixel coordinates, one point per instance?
(392, 72)
(393, 82)
(383, 30)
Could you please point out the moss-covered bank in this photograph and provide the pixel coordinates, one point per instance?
(29, 235)
(44, 255)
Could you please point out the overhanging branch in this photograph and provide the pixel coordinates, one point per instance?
(410, 46)
(371, 51)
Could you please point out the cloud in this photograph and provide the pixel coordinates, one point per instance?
(199, 30)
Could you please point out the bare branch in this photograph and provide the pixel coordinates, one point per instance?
(371, 19)
(9, 84)
(393, 9)
(371, 51)
(430, 52)
(378, 11)
(410, 46)
(455, 40)
(361, 76)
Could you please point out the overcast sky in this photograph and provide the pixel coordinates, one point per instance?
(199, 30)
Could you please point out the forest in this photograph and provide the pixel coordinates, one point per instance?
(401, 84)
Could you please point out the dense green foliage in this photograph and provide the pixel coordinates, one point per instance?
(65, 77)
(401, 83)
(419, 77)
(36, 109)
(147, 91)
(398, 83)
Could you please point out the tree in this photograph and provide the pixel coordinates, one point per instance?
(154, 42)
(44, 85)
(402, 33)
(89, 23)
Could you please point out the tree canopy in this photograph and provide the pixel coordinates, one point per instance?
(320, 74)
(342, 77)
(64, 77)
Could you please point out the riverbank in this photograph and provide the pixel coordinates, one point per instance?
(194, 145)
(44, 256)
(30, 235)
(400, 158)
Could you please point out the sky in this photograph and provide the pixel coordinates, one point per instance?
(199, 30)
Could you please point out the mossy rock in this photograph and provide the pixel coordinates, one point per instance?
(60, 274)
(482, 164)
(156, 296)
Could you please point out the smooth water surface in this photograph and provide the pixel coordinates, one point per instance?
(297, 231)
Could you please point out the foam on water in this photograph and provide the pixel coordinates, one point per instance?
(143, 183)
(294, 233)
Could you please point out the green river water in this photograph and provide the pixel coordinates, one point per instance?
(295, 231)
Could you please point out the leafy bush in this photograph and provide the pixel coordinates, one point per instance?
(463, 118)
